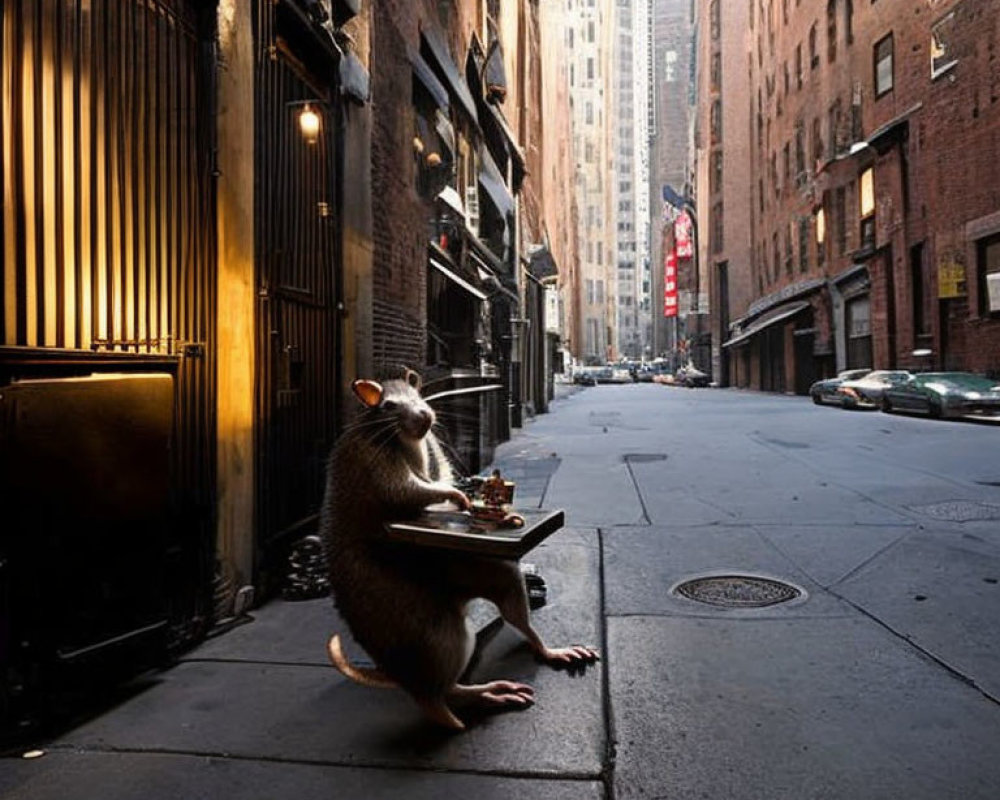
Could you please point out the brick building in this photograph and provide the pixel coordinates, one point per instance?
(874, 151)
(215, 216)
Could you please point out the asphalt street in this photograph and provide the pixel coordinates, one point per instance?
(879, 678)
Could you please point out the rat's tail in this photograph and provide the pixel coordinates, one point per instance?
(366, 676)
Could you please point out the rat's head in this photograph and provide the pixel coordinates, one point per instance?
(399, 401)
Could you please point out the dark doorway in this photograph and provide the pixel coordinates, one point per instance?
(298, 274)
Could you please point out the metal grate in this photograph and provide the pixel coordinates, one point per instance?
(737, 591)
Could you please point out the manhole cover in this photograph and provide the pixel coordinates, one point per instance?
(645, 458)
(960, 511)
(737, 591)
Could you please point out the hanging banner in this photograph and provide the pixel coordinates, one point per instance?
(682, 235)
(670, 285)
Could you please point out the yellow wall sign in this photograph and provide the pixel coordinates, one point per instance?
(951, 280)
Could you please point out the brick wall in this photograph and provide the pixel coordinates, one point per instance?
(399, 274)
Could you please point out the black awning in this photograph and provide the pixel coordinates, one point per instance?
(541, 264)
(779, 315)
(428, 80)
(513, 148)
(493, 182)
(433, 48)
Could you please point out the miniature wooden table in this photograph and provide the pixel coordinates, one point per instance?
(456, 530)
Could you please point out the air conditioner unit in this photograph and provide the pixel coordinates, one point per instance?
(472, 208)
(993, 290)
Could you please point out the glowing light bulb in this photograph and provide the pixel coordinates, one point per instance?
(309, 124)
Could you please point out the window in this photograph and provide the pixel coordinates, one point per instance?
(859, 332)
(715, 21)
(716, 120)
(883, 66)
(918, 291)
(849, 21)
(776, 252)
(831, 30)
(590, 31)
(590, 291)
(787, 164)
(718, 228)
(841, 206)
(787, 80)
(803, 244)
(867, 206)
(788, 249)
(942, 55)
(798, 65)
(589, 113)
(590, 69)
(717, 72)
(820, 235)
(813, 55)
(988, 268)
(836, 142)
(716, 174)
(800, 152)
(817, 140)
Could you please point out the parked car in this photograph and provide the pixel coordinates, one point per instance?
(867, 392)
(648, 372)
(689, 375)
(825, 391)
(944, 394)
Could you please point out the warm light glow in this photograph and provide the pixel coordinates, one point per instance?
(309, 124)
(820, 226)
(867, 192)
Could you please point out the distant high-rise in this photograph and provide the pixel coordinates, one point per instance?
(670, 114)
(589, 43)
(631, 160)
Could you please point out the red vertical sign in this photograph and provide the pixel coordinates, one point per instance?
(670, 285)
(682, 235)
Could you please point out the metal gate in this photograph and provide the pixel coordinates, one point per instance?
(108, 247)
(298, 277)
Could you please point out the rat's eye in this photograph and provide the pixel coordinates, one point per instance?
(390, 405)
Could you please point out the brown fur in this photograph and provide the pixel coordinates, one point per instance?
(406, 606)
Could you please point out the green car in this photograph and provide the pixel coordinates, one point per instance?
(945, 394)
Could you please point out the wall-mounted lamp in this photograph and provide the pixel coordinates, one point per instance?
(309, 124)
(310, 121)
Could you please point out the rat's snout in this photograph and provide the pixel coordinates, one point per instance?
(418, 422)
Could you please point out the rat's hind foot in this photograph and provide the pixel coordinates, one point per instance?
(496, 693)
(573, 656)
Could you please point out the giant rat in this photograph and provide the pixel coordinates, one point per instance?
(404, 605)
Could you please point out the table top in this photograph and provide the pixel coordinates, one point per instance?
(458, 530)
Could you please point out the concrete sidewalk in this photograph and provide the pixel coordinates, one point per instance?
(881, 680)
(259, 713)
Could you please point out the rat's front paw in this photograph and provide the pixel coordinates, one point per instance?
(460, 500)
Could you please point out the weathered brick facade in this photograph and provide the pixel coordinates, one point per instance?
(840, 88)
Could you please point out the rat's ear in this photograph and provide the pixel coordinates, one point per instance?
(413, 379)
(368, 392)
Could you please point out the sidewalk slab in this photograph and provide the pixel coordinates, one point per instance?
(641, 565)
(942, 592)
(792, 708)
(829, 553)
(68, 775)
(294, 708)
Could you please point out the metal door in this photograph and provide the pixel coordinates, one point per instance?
(298, 280)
